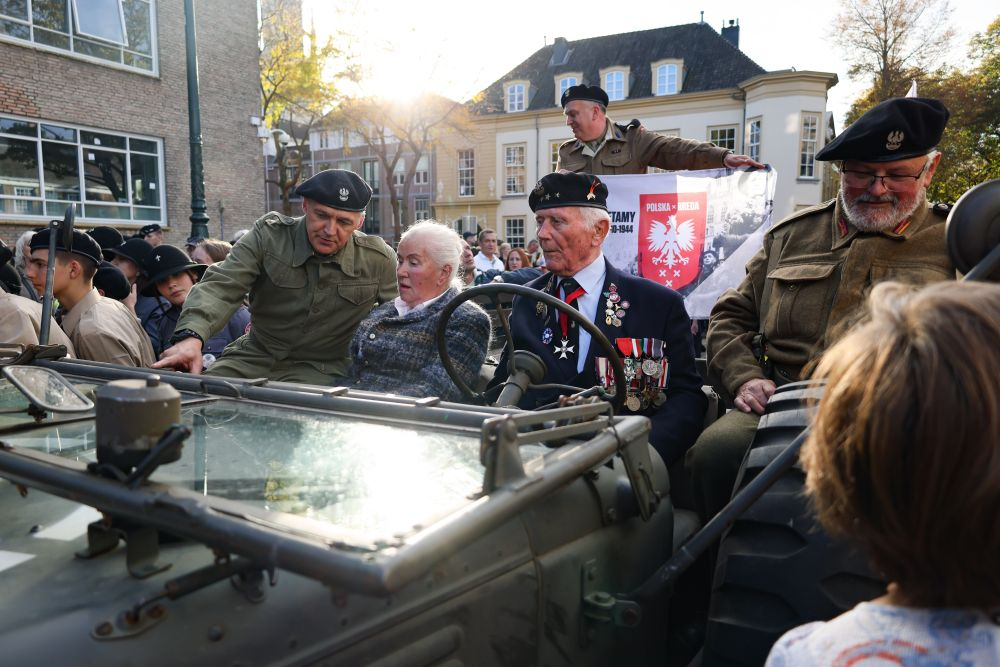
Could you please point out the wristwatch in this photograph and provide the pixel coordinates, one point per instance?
(185, 333)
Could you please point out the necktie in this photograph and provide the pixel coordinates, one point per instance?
(571, 292)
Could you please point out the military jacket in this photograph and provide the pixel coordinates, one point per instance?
(305, 307)
(21, 323)
(824, 271)
(631, 149)
(103, 329)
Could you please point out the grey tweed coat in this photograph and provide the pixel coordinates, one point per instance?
(398, 354)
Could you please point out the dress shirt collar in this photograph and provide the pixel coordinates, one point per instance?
(403, 309)
(591, 277)
(71, 320)
(303, 250)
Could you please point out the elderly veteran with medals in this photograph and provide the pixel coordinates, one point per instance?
(814, 271)
(645, 321)
(311, 281)
(394, 348)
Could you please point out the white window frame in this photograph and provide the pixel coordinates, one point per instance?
(515, 169)
(467, 172)
(809, 136)
(715, 131)
(753, 134)
(399, 173)
(421, 212)
(554, 154)
(612, 94)
(422, 175)
(664, 67)
(121, 24)
(509, 236)
(515, 96)
(57, 206)
(561, 82)
(73, 33)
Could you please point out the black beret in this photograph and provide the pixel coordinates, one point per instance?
(565, 189)
(585, 93)
(337, 188)
(107, 237)
(896, 129)
(149, 229)
(83, 244)
(164, 261)
(133, 249)
(110, 280)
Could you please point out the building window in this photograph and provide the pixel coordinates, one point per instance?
(399, 173)
(467, 223)
(723, 137)
(370, 172)
(614, 85)
(554, 154)
(666, 79)
(422, 208)
(514, 169)
(565, 84)
(122, 32)
(514, 231)
(753, 139)
(515, 97)
(808, 140)
(108, 176)
(420, 176)
(467, 173)
(372, 223)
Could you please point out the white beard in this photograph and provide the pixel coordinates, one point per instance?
(880, 221)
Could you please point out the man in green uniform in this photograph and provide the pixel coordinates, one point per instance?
(605, 148)
(311, 280)
(814, 272)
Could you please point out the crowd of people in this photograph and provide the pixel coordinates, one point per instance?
(311, 299)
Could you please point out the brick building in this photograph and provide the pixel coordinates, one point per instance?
(93, 111)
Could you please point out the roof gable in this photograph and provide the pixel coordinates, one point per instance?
(710, 62)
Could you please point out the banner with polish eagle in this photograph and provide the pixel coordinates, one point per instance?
(692, 231)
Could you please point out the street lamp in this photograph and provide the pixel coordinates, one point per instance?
(199, 218)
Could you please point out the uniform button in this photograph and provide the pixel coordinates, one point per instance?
(371, 336)
(792, 287)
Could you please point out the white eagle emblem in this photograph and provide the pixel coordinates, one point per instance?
(344, 194)
(894, 140)
(670, 240)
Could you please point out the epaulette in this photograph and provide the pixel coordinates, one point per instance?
(634, 123)
(373, 242)
(942, 209)
(804, 213)
(275, 218)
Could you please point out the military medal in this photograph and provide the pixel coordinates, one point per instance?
(614, 307)
(563, 348)
(659, 399)
(651, 368)
(540, 309)
(546, 336)
(633, 403)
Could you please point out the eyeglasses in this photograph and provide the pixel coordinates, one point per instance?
(865, 179)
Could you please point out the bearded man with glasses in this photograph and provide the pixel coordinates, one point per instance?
(814, 271)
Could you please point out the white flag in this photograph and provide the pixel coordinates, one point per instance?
(912, 92)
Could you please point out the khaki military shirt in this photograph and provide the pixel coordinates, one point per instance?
(103, 329)
(305, 307)
(824, 271)
(21, 323)
(630, 150)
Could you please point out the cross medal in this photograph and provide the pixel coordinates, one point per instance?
(563, 349)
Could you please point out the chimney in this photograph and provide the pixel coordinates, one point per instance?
(560, 52)
(731, 33)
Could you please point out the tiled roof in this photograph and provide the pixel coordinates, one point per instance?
(710, 62)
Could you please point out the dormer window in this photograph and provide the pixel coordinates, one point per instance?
(667, 77)
(516, 96)
(615, 83)
(564, 82)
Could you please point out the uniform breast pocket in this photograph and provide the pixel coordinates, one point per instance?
(358, 294)
(800, 301)
(282, 274)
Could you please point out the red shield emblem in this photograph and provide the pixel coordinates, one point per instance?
(671, 237)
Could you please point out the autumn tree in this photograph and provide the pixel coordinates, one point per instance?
(296, 85)
(885, 40)
(395, 130)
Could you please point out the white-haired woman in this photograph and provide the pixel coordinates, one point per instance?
(394, 349)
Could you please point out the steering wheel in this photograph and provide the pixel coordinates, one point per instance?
(493, 291)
